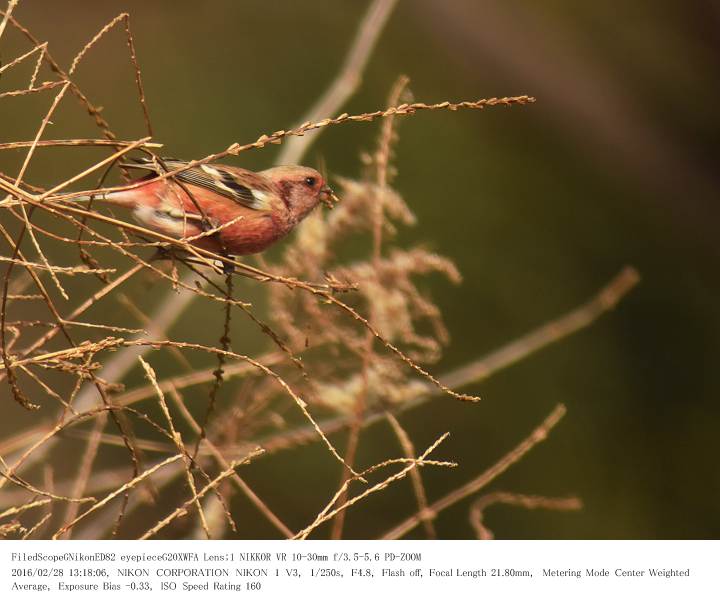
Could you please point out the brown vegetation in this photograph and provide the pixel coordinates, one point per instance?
(347, 341)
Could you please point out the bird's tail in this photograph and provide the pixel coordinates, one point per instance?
(121, 198)
(88, 198)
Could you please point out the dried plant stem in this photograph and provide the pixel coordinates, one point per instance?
(37, 444)
(25, 91)
(194, 378)
(8, 475)
(15, 510)
(29, 53)
(83, 475)
(91, 43)
(177, 439)
(239, 482)
(545, 335)
(382, 161)
(538, 435)
(211, 485)
(328, 514)
(38, 65)
(169, 309)
(418, 488)
(529, 502)
(8, 11)
(37, 526)
(221, 359)
(506, 356)
(108, 160)
(93, 111)
(70, 270)
(604, 301)
(126, 487)
(579, 318)
(266, 370)
(26, 215)
(348, 79)
(80, 142)
(16, 391)
(85, 376)
(305, 286)
(99, 295)
(279, 136)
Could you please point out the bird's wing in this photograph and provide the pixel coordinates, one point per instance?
(242, 186)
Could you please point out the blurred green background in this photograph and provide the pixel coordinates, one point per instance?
(539, 206)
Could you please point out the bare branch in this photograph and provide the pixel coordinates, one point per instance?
(348, 79)
(538, 435)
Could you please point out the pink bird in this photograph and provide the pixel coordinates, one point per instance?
(259, 208)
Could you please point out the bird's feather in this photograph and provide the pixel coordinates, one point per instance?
(242, 186)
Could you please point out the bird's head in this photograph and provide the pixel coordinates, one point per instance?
(301, 188)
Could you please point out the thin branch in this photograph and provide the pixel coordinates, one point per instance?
(279, 136)
(15, 510)
(177, 439)
(477, 371)
(84, 472)
(239, 482)
(29, 53)
(415, 477)
(328, 514)
(8, 11)
(80, 142)
(126, 487)
(348, 79)
(537, 436)
(211, 485)
(528, 502)
(549, 333)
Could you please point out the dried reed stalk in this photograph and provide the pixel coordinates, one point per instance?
(380, 337)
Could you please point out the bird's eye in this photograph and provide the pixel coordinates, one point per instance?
(310, 181)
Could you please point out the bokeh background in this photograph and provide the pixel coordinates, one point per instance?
(538, 206)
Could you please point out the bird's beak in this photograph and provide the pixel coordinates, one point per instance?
(328, 197)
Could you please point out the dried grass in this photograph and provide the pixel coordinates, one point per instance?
(368, 316)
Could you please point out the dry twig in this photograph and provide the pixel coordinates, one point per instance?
(374, 332)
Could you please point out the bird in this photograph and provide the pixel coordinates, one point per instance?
(258, 208)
